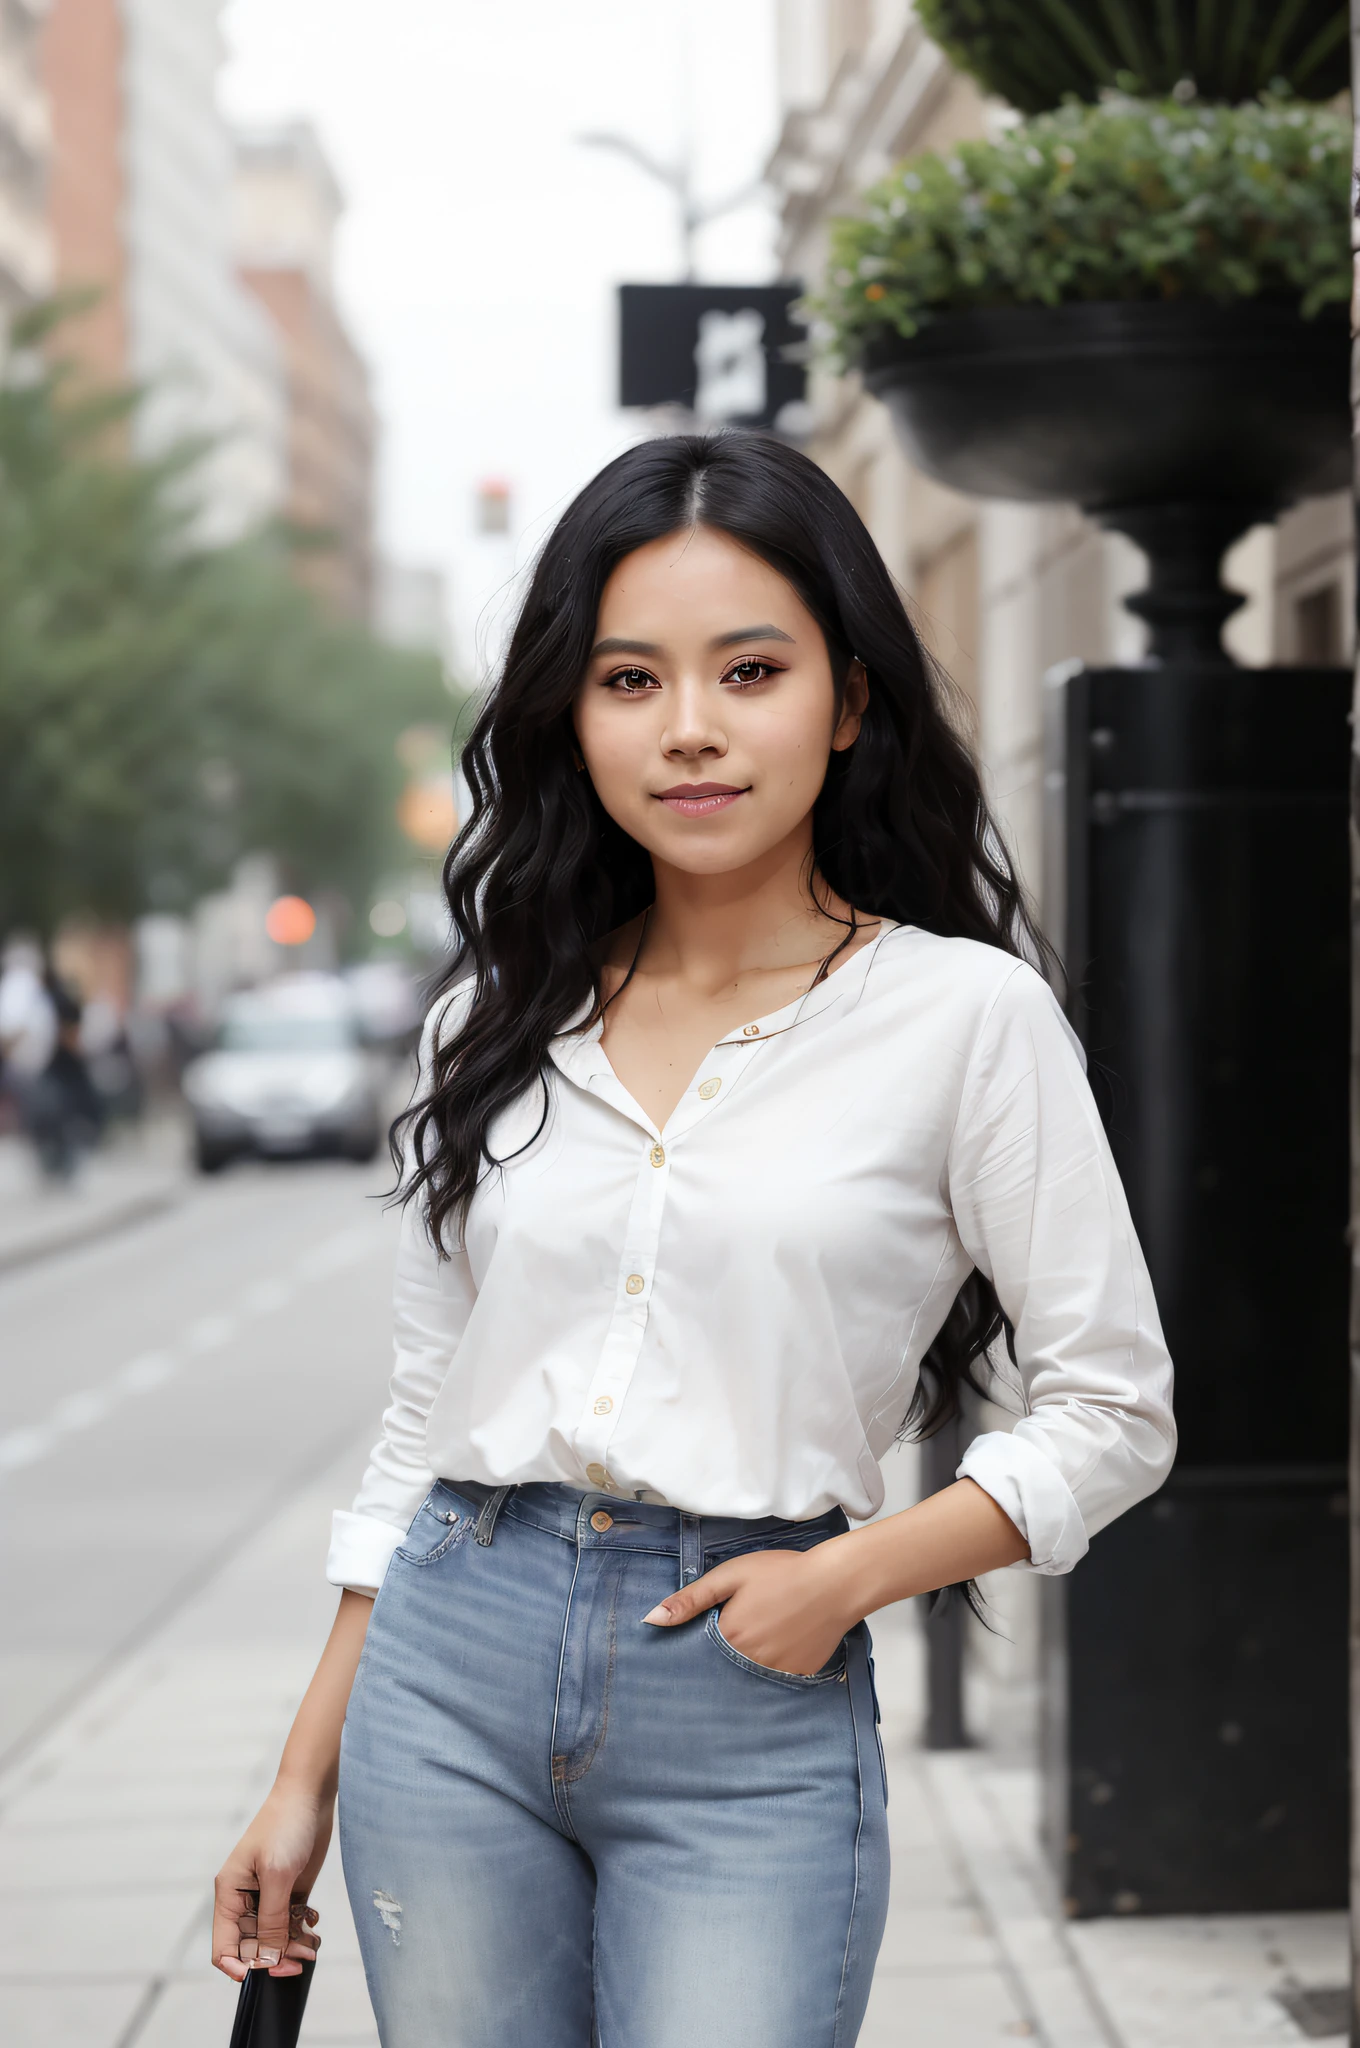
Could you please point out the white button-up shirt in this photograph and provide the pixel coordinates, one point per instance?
(729, 1314)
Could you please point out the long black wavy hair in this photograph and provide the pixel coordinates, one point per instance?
(539, 874)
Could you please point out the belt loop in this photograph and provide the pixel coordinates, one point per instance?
(691, 1548)
(491, 1514)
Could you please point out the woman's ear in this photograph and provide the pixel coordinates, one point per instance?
(854, 703)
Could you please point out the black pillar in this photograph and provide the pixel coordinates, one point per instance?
(1196, 1753)
(947, 1621)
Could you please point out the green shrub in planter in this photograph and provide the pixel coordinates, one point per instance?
(1129, 199)
(1035, 52)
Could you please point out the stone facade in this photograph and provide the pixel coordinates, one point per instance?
(140, 211)
(25, 245)
(286, 208)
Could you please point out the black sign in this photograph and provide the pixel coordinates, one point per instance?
(722, 351)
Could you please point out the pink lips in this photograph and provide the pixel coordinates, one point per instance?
(699, 799)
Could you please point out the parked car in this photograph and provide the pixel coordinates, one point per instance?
(289, 1074)
(385, 996)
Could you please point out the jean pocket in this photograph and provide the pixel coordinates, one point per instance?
(832, 1673)
(878, 1711)
(443, 1521)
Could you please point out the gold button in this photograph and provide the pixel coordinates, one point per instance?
(604, 1405)
(708, 1089)
(657, 1155)
(635, 1283)
(750, 1031)
(601, 1521)
(597, 1475)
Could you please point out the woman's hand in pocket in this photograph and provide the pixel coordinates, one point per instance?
(780, 1608)
(261, 1918)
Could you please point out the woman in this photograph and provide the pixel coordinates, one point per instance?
(743, 1131)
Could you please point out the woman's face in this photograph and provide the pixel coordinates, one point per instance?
(708, 711)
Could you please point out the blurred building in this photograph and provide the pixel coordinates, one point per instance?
(411, 608)
(287, 204)
(1001, 592)
(25, 244)
(140, 210)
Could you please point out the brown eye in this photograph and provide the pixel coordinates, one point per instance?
(750, 671)
(631, 680)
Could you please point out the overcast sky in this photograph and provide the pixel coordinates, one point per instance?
(482, 244)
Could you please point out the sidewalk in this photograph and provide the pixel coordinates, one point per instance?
(136, 1173)
(973, 1955)
(111, 1827)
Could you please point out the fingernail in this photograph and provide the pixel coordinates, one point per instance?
(266, 1957)
(660, 1613)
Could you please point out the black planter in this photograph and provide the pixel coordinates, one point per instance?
(1180, 423)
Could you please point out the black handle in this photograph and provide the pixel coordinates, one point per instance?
(269, 2010)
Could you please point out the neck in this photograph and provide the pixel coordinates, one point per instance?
(710, 929)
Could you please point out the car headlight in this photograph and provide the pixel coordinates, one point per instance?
(202, 1091)
(325, 1092)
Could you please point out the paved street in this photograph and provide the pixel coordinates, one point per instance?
(164, 1392)
(181, 1404)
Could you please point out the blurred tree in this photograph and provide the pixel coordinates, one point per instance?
(1036, 52)
(166, 706)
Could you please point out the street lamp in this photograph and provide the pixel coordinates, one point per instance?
(678, 178)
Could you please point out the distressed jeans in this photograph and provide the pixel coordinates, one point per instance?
(564, 1829)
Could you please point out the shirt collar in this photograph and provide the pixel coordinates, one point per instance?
(578, 1052)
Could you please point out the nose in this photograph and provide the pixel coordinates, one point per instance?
(694, 725)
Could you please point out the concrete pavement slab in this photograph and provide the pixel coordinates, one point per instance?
(942, 2009)
(47, 2015)
(190, 2012)
(1224, 1969)
(338, 2010)
(130, 1852)
(97, 1934)
(921, 1937)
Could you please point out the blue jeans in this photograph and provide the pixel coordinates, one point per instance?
(562, 1828)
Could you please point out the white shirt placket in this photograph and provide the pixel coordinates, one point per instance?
(637, 1265)
(628, 1323)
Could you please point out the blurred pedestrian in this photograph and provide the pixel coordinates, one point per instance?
(745, 1127)
(78, 1109)
(28, 1040)
(107, 1051)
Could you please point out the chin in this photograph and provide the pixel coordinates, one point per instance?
(707, 860)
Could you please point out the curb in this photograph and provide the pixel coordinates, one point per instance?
(60, 1233)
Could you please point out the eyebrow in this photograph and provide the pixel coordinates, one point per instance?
(735, 639)
(625, 647)
(750, 633)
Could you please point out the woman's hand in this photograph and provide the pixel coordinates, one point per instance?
(788, 1609)
(261, 1919)
(781, 1608)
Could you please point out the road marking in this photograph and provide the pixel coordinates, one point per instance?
(335, 1253)
(140, 1375)
(211, 1333)
(26, 1446)
(265, 1296)
(78, 1411)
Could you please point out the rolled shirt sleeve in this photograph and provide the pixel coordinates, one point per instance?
(433, 1298)
(1041, 1212)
